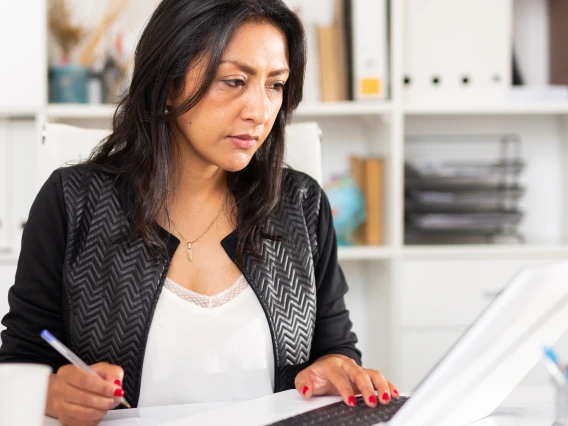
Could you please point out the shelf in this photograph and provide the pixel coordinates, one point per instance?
(364, 253)
(19, 112)
(86, 111)
(8, 258)
(343, 108)
(330, 109)
(493, 251)
(80, 111)
(549, 108)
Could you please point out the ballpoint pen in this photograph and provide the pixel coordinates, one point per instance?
(551, 361)
(74, 359)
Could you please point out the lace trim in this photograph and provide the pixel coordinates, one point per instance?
(207, 302)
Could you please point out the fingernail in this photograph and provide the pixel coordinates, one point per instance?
(372, 399)
(395, 393)
(386, 397)
(118, 392)
(116, 403)
(118, 383)
(352, 401)
(305, 390)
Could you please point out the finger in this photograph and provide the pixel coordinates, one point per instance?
(112, 373)
(76, 377)
(381, 385)
(304, 384)
(109, 372)
(78, 414)
(340, 379)
(361, 378)
(394, 391)
(80, 397)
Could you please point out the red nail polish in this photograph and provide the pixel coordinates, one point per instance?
(118, 392)
(372, 399)
(386, 396)
(352, 401)
(395, 393)
(305, 390)
(118, 383)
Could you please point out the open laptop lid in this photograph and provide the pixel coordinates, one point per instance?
(495, 353)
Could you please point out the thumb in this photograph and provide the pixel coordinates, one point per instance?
(110, 372)
(304, 384)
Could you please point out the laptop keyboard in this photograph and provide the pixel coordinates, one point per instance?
(340, 414)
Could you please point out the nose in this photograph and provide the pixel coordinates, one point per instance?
(256, 107)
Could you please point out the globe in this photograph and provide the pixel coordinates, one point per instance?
(347, 206)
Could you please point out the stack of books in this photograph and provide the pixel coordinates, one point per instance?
(347, 54)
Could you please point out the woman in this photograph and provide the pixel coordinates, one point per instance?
(182, 261)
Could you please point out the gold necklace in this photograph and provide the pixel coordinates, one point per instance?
(190, 243)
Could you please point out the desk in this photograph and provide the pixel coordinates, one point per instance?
(526, 406)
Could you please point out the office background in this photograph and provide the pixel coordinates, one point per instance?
(405, 82)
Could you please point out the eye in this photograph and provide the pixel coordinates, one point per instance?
(234, 83)
(277, 87)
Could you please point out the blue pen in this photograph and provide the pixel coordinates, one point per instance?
(74, 359)
(551, 361)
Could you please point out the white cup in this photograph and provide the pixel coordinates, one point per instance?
(23, 393)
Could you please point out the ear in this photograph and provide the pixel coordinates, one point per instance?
(170, 99)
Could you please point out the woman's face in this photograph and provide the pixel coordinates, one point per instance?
(227, 126)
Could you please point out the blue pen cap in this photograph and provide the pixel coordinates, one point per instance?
(549, 352)
(47, 336)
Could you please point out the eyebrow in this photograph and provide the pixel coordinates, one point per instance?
(250, 70)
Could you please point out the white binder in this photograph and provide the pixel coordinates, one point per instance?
(23, 25)
(370, 49)
(457, 50)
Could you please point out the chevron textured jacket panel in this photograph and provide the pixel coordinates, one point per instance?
(110, 290)
(285, 281)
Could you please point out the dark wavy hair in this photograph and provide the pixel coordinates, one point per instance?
(139, 151)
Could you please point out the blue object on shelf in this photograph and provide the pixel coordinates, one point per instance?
(348, 207)
(68, 84)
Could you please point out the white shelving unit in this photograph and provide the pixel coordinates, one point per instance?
(391, 283)
(80, 111)
(523, 109)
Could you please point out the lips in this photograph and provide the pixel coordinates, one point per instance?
(244, 141)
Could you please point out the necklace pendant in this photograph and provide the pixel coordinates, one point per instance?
(189, 252)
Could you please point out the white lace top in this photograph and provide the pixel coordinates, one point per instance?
(207, 348)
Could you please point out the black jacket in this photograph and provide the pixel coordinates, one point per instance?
(99, 299)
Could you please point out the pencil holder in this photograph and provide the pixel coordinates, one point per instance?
(68, 83)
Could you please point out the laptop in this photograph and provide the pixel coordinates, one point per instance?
(469, 383)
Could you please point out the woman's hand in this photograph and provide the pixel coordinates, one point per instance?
(340, 375)
(76, 397)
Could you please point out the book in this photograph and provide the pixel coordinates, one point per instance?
(358, 175)
(333, 57)
(373, 190)
(367, 172)
(557, 38)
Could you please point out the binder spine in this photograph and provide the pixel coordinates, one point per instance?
(369, 27)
